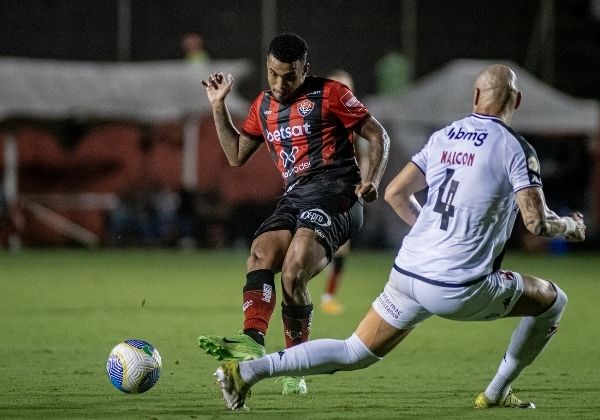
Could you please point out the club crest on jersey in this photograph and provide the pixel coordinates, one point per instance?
(305, 107)
(533, 164)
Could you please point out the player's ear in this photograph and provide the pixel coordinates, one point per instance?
(518, 101)
(476, 96)
(305, 69)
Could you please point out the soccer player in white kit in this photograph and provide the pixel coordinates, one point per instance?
(480, 173)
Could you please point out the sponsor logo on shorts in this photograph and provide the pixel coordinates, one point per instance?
(316, 216)
(387, 304)
(320, 233)
(507, 275)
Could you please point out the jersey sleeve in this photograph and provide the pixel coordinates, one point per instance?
(251, 127)
(522, 164)
(420, 158)
(342, 102)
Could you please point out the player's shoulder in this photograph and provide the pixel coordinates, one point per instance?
(513, 139)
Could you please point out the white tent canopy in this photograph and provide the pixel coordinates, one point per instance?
(447, 94)
(142, 91)
(146, 92)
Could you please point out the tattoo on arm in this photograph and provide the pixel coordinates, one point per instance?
(538, 219)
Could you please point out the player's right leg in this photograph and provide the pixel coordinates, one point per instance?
(266, 256)
(306, 257)
(541, 305)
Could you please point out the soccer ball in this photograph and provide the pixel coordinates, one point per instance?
(133, 366)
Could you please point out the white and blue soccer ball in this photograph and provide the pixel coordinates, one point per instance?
(134, 366)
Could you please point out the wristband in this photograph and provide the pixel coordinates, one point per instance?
(571, 226)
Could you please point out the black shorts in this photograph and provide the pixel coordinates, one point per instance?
(329, 207)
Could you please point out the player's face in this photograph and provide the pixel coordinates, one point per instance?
(285, 78)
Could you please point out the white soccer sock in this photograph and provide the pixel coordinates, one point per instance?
(527, 342)
(310, 358)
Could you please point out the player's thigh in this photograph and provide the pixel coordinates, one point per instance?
(378, 335)
(268, 250)
(397, 305)
(538, 295)
(343, 250)
(305, 258)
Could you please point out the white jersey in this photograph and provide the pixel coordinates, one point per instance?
(473, 168)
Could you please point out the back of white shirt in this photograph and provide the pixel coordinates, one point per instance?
(473, 168)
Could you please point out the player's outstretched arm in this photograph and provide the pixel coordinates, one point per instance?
(238, 148)
(379, 150)
(399, 193)
(542, 221)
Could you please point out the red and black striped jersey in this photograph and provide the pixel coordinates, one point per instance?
(312, 133)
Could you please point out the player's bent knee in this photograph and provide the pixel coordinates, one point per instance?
(558, 306)
(358, 355)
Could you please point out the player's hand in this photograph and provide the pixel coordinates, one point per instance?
(579, 234)
(367, 191)
(217, 86)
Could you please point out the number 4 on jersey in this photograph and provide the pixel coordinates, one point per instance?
(445, 208)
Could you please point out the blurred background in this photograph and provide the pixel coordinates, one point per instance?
(107, 140)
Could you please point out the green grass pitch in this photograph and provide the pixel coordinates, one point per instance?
(61, 312)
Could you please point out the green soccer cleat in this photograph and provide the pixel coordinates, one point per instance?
(237, 347)
(233, 387)
(511, 401)
(294, 385)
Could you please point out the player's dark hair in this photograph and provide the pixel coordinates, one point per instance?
(288, 47)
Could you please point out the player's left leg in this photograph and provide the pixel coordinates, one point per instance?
(266, 257)
(305, 258)
(541, 305)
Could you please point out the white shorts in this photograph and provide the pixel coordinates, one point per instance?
(407, 301)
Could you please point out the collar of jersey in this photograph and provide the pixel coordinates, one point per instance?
(484, 116)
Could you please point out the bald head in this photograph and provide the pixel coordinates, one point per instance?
(496, 92)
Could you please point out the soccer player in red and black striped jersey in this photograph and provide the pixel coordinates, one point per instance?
(307, 125)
